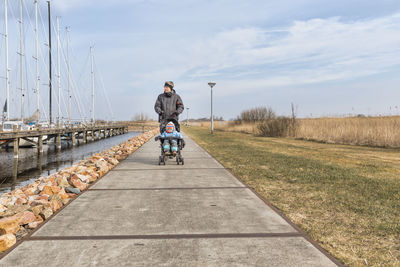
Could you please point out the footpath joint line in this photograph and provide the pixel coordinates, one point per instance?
(171, 169)
(166, 236)
(167, 188)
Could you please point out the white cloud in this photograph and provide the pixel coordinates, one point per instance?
(311, 51)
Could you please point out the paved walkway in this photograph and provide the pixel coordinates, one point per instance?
(144, 214)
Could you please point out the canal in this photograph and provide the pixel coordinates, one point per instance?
(31, 165)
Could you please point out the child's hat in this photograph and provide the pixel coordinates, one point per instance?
(170, 127)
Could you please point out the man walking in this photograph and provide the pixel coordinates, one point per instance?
(168, 106)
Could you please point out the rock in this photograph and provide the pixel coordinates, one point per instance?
(71, 195)
(36, 223)
(46, 213)
(66, 201)
(37, 209)
(113, 161)
(76, 182)
(9, 225)
(26, 217)
(21, 201)
(14, 209)
(7, 241)
(21, 233)
(50, 190)
(30, 191)
(43, 197)
(73, 190)
(83, 178)
(62, 194)
(4, 200)
(2, 208)
(55, 204)
(62, 181)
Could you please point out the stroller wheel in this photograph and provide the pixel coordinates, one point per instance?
(183, 161)
(160, 160)
(177, 160)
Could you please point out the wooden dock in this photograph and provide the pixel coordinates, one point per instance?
(72, 134)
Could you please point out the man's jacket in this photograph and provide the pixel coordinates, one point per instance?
(169, 106)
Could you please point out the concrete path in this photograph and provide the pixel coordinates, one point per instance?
(142, 214)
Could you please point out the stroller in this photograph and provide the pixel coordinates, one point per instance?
(180, 144)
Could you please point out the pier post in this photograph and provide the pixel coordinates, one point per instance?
(16, 148)
(40, 144)
(85, 136)
(40, 162)
(92, 134)
(58, 142)
(73, 137)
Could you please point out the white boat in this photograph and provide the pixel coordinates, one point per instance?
(8, 126)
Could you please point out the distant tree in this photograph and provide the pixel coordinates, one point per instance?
(141, 117)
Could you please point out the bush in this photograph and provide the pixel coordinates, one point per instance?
(255, 115)
(278, 127)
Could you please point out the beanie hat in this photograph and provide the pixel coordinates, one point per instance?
(170, 127)
(170, 84)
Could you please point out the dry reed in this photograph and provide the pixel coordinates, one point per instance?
(366, 131)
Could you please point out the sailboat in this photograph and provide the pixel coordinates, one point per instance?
(7, 124)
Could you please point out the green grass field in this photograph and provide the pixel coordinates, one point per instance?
(347, 198)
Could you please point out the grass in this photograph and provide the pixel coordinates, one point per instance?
(365, 131)
(347, 198)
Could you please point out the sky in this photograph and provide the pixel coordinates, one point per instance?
(328, 58)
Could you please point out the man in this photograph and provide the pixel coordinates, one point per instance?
(168, 106)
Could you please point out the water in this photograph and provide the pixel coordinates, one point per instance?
(32, 165)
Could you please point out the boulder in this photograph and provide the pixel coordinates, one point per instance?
(21, 233)
(9, 225)
(26, 217)
(76, 182)
(73, 190)
(50, 190)
(37, 209)
(55, 204)
(62, 181)
(7, 241)
(21, 201)
(14, 209)
(46, 213)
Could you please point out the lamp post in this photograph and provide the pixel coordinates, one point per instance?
(187, 118)
(212, 84)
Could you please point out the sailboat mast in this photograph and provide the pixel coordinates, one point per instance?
(58, 71)
(37, 61)
(21, 54)
(50, 66)
(7, 68)
(69, 79)
(92, 74)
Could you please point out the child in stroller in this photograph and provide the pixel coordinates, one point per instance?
(171, 144)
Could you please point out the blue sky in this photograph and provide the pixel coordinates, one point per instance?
(327, 57)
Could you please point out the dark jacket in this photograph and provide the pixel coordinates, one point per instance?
(168, 106)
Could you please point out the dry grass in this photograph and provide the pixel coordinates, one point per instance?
(347, 198)
(369, 131)
(365, 131)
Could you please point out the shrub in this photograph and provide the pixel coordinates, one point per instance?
(278, 127)
(255, 115)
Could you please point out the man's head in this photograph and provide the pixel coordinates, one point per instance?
(168, 86)
(170, 127)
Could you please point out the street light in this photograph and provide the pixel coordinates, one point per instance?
(212, 84)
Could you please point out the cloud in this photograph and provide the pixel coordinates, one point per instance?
(310, 51)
